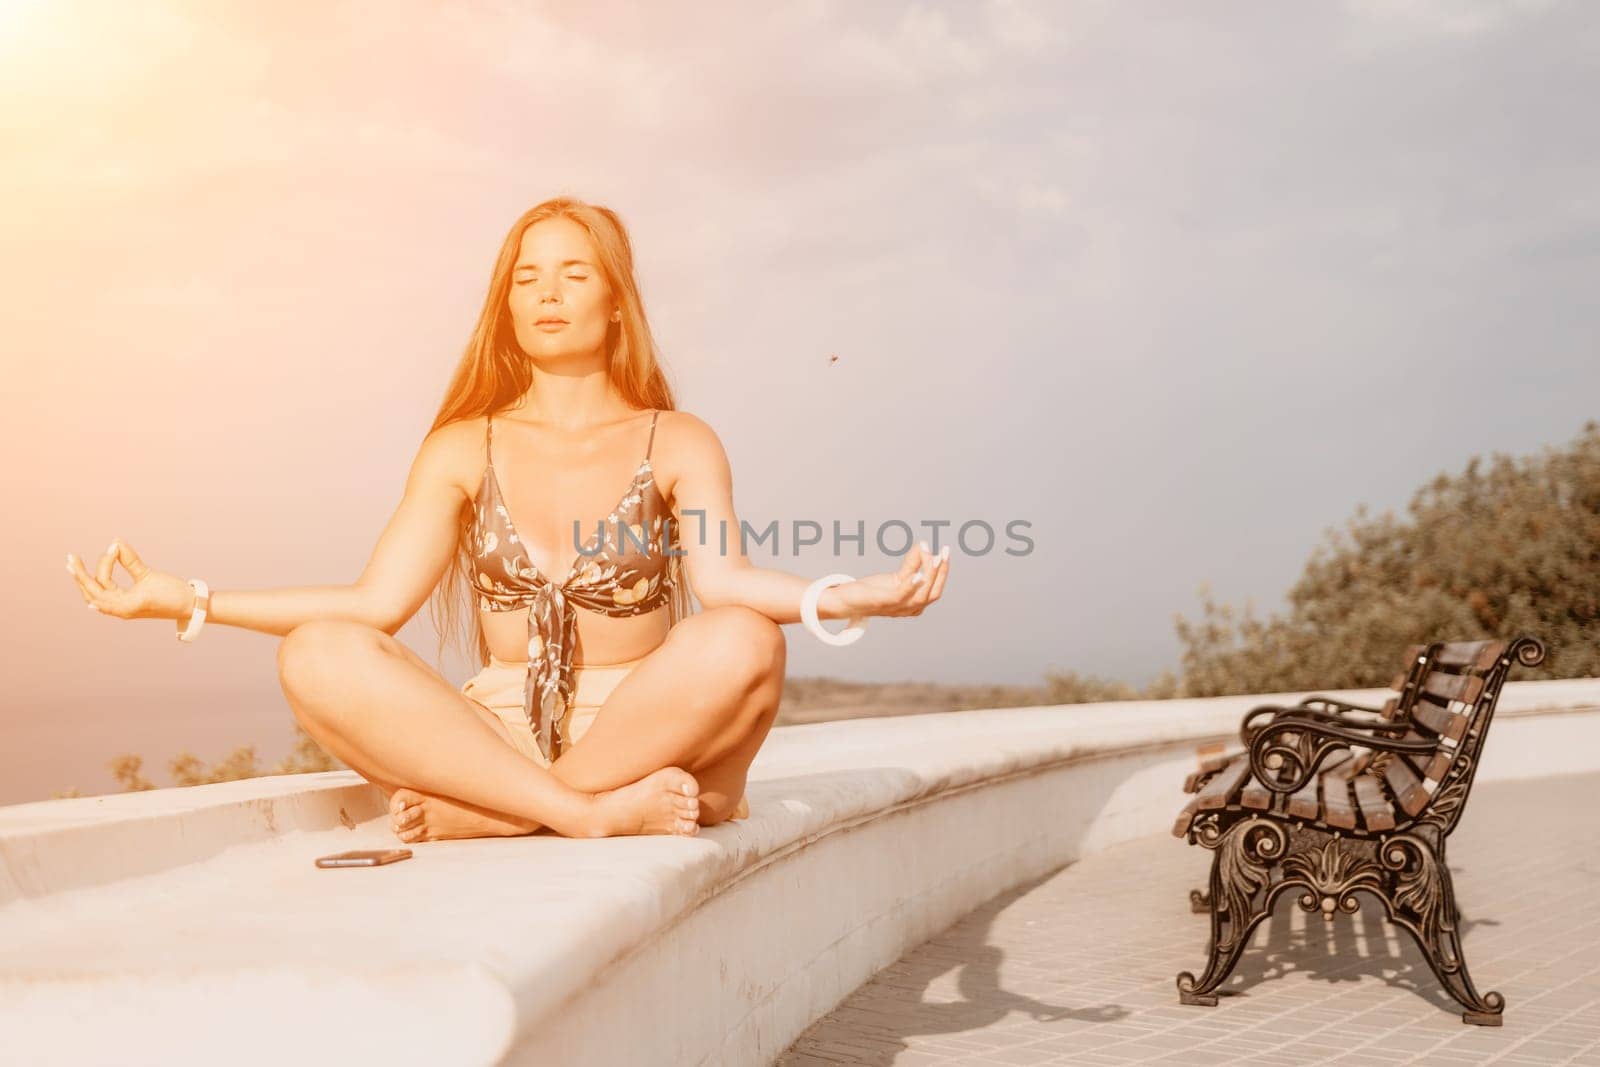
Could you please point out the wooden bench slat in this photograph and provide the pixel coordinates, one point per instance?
(1463, 687)
(1349, 768)
(1209, 765)
(1185, 817)
(1303, 801)
(1479, 655)
(1220, 789)
(1442, 721)
(1404, 784)
(1376, 811)
(1436, 768)
(1431, 767)
(1336, 807)
(1254, 795)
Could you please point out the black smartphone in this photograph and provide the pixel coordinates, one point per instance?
(364, 858)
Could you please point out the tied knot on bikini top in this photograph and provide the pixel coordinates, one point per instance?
(628, 567)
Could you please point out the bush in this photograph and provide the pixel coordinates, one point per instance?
(186, 768)
(1507, 547)
(1070, 687)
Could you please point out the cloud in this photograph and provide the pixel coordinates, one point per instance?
(1392, 23)
(920, 48)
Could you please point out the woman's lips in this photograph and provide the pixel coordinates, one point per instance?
(551, 324)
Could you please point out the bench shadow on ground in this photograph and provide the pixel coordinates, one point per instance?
(1365, 946)
(901, 1010)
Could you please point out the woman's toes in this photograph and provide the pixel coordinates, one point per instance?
(402, 802)
(408, 820)
(688, 827)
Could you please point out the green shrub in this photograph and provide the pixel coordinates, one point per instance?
(1507, 547)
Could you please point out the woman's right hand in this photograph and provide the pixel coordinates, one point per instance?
(154, 595)
(908, 591)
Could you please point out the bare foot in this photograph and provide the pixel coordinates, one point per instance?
(416, 816)
(666, 802)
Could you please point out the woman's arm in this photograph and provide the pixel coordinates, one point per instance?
(703, 508)
(405, 566)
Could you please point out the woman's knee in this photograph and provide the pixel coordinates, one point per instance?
(311, 654)
(744, 642)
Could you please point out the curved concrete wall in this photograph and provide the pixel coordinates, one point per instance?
(185, 918)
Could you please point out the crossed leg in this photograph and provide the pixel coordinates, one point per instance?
(721, 673)
(394, 720)
(704, 700)
(722, 668)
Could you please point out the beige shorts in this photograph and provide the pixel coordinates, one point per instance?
(498, 687)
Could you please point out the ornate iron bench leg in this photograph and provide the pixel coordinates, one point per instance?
(1240, 897)
(1422, 899)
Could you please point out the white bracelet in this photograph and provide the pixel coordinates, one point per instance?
(202, 602)
(808, 613)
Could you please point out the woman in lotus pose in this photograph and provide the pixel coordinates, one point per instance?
(604, 705)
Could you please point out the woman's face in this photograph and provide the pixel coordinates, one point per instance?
(560, 303)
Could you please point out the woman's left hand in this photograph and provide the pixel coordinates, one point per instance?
(917, 583)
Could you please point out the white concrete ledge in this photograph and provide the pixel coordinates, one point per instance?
(190, 924)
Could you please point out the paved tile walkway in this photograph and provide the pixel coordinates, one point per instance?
(1078, 967)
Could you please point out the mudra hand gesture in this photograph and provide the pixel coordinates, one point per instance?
(154, 594)
(907, 591)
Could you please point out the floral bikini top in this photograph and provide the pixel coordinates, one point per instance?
(624, 569)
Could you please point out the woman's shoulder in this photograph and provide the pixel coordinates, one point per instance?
(456, 452)
(683, 423)
(687, 436)
(687, 445)
(460, 437)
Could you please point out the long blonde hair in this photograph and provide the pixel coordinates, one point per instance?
(494, 372)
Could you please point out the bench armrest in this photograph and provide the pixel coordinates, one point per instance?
(1337, 705)
(1256, 719)
(1286, 753)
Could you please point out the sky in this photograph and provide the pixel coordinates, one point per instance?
(1179, 286)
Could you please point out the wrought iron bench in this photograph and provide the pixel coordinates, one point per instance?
(1330, 798)
(1217, 777)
